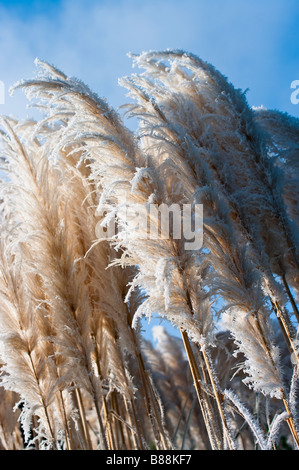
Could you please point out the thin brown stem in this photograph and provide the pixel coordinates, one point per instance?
(290, 419)
(196, 381)
(287, 328)
(212, 379)
(42, 398)
(290, 295)
(83, 421)
(152, 407)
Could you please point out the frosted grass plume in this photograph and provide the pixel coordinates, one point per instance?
(197, 142)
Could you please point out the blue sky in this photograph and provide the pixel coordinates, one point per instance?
(255, 43)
